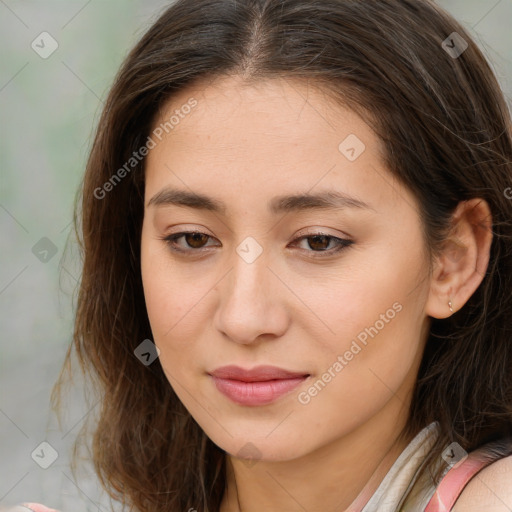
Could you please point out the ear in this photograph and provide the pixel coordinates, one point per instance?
(461, 265)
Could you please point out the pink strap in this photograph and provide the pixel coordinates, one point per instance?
(453, 483)
(37, 507)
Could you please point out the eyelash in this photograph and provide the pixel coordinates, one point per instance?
(343, 243)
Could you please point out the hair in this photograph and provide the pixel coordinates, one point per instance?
(447, 134)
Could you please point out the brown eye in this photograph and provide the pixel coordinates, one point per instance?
(196, 240)
(319, 242)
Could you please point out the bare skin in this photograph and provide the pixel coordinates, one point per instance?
(295, 306)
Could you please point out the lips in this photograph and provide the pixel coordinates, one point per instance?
(257, 386)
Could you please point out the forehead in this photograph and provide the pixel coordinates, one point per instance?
(279, 110)
(261, 140)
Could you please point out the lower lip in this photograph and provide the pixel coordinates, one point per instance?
(256, 393)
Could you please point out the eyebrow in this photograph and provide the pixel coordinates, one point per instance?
(326, 200)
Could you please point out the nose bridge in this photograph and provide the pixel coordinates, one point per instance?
(250, 274)
(248, 259)
(248, 305)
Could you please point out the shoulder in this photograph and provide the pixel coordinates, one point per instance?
(489, 490)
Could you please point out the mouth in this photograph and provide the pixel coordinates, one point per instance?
(258, 386)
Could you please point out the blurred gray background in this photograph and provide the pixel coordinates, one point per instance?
(49, 106)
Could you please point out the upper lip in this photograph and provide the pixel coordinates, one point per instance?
(256, 374)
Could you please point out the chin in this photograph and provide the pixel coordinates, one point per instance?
(261, 448)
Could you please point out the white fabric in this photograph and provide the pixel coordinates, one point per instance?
(394, 489)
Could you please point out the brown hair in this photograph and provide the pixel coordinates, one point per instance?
(447, 134)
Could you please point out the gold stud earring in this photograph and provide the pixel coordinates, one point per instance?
(450, 305)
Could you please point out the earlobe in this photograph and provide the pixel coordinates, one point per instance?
(460, 266)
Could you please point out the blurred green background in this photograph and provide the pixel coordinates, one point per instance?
(49, 109)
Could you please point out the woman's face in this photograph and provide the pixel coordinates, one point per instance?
(330, 287)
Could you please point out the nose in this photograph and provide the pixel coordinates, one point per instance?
(252, 302)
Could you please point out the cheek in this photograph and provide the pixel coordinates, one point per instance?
(164, 295)
(167, 306)
(175, 300)
(370, 295)
(371, 361)
(374, 315)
